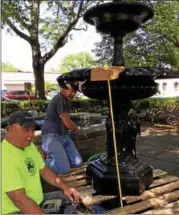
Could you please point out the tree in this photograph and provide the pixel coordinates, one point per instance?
(76, 61)
(104, 50)
(45, 25)
(155, 44)
(165, 25)
(8, 67)
(50, 86)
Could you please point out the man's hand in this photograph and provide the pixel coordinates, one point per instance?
(76, 131)
(68, 122)
(72, 194)
(52, 178)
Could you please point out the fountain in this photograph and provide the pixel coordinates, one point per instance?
(118, 18)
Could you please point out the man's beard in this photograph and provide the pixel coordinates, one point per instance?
(70, 97)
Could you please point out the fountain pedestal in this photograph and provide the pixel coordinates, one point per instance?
(135, 176)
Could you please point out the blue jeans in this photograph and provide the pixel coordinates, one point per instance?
(61, 151)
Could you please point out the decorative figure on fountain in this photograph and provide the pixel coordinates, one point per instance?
(118, 18)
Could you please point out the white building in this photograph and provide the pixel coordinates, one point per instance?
(168, 88)
(16, 80)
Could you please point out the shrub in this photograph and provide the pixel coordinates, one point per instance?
(88, 105)
(9, 107)
(164, 111)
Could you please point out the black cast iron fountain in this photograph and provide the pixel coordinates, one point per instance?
(118, 18)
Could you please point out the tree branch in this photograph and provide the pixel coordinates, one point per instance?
(34, 13)
(18, 32)
(80, 8)
(176, 41)
(64, 10)
(60, 43)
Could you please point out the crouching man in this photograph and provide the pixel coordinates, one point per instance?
(22, 167)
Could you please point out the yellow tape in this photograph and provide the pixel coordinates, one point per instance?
(114, 137)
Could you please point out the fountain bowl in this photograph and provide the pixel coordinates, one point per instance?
(118, 17)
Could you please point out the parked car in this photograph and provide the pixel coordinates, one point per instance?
(19, 95)
(3, 92)
(5, 99)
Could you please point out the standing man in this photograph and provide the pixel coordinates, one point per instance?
(56, 143)
(22, 167)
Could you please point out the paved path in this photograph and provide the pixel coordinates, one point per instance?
(159, 147)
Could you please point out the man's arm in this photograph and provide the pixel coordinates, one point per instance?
(68, 122)
(52, 178)
(24, 203)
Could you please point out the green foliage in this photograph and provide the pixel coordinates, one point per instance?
(88, 105)
(104, 50)
(76, 61)
(50, 86)
(161, 111)
(155, 44)
(165, 25)
(53, 19)
(8, 67)
(9, 107)
(164, 111)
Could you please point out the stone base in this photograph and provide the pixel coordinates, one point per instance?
(135, 176)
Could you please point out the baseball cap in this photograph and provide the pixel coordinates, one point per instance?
(24, 119)
(70, 84)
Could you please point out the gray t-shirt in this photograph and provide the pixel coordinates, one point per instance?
(53, 122)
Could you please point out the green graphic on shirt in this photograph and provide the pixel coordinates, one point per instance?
(30, 164)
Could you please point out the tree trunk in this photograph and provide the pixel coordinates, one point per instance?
(38, 68)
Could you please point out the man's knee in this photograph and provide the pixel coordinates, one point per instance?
(78, 162)
(57, 166)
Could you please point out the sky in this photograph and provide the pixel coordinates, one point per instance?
(18, 52)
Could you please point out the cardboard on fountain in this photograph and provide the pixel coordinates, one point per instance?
(106, 73)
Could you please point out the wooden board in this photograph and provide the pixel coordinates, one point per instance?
(161, 198)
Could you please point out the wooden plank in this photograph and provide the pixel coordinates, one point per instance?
(173, 204)
(77, 184)
(83, 188)
(164, 189)
(164, 211)
(162, 181)
(89, 199)
(86, 192)
(153, 192)
(74, 172)
(158, 173)
(147, 204)
(74, 177)
(172, 208)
